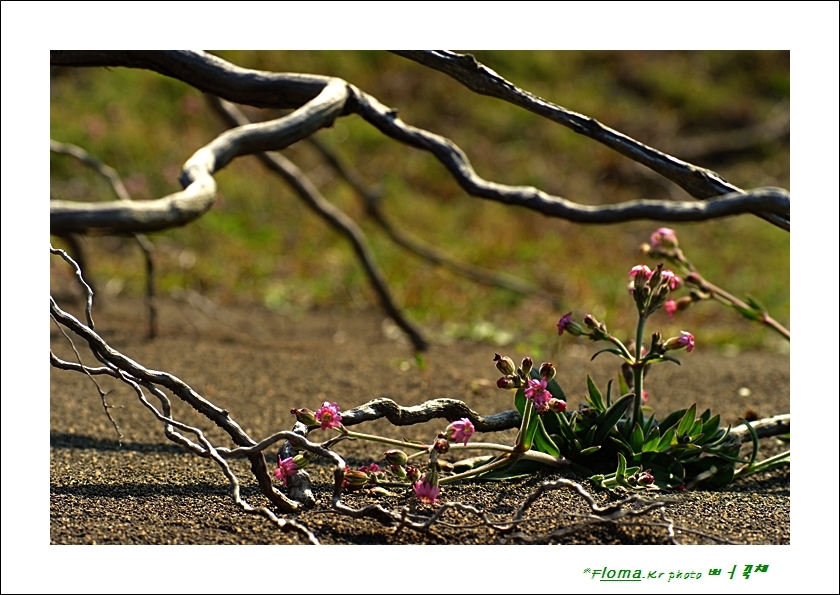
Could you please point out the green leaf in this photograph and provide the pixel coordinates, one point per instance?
(590, 450)
(607, 420)
(710, 428)
(637, 439)
(609, 350)
(609, 393)
(595, 399)
(519, 401)
(623, 387)
(648, 424)
(666, 440)
(531, 432)
(551, 422)
(622, 466)
(652, 441)
(566, 430)
(543, 441)
(696, 428)
(706, 415)
(590, 435)
(687, 421)
(667, 470)
(622, 446)
(672, 419)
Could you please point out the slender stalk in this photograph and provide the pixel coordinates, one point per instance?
(382, 440)
(523, 429)
(638, 372)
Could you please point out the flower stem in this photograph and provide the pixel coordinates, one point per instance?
(392, 442)
(638, 373)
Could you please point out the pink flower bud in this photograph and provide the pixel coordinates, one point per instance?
(685, 340)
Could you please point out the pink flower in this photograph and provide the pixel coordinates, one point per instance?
(426, 492)
(537, 392)
(663, 237)
(640, 268)
(672, 280)
(285, 469)
(645, 397)
(671, 308)
(372, 468)
(328, 416)
(685, 339)
(564, 322)
(460, 430)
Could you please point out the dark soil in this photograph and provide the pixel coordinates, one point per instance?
(144, 489)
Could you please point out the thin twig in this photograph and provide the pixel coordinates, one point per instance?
(334, 216)
(146, 246)
(372, 201)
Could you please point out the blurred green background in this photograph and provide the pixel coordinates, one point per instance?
(260, 243)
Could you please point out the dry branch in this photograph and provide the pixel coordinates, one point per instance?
(698, 182)
(332, 215)
(146, 246)
(329, 98)
(372, 202)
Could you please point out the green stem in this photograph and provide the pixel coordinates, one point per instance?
(519, 445)
(501, 462)
(392, 442)
(638, 373)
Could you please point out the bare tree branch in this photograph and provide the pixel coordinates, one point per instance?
(170, 211)
(449, 409)
(372, 201)
(339, 98)
(332, 215)
(146, 246)
(698, 182)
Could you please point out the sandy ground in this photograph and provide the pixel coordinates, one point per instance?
(143, 489)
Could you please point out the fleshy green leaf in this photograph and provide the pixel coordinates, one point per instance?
(519, 401)
(666, 440)
(710, 428)
(637, 439)
(607, 420)
(672, 419)
(687, 420)
(652, 441)
(590, 450)
(590, 435)
(595, 399)
(543, 441)
(622, 384)
(622, 466)
(609, 350)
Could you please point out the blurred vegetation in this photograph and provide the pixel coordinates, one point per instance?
(259, 243)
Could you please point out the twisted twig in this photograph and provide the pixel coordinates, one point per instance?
(330, 98)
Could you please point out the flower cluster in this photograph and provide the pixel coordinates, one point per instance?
(535, 390)
(650, 288)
